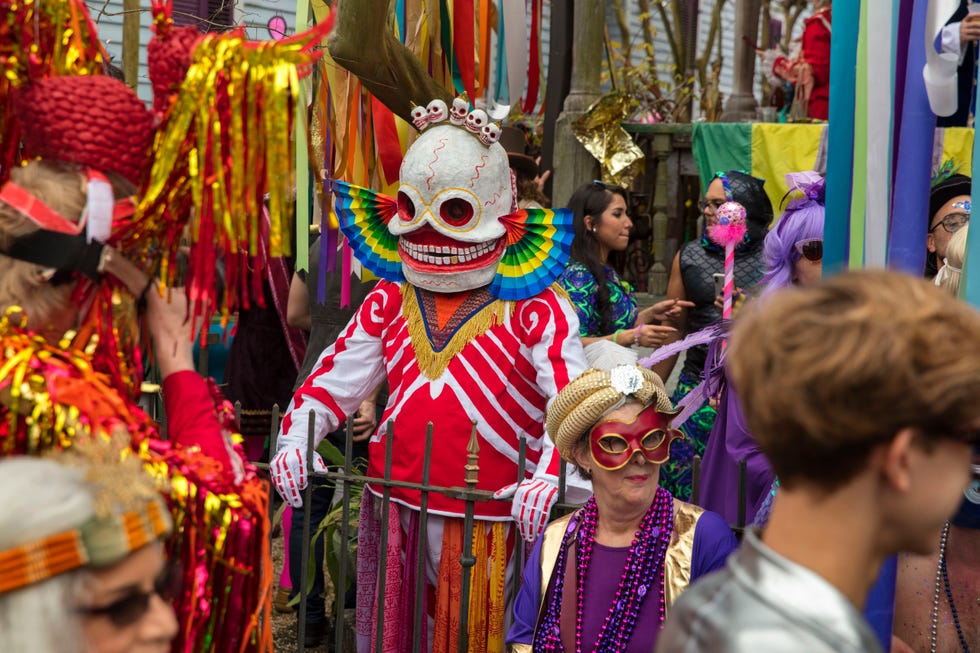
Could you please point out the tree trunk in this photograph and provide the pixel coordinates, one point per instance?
(131, 42)
(573, 163)
(559, 81)
(361, 43)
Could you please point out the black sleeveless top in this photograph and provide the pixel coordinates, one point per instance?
(698, 263)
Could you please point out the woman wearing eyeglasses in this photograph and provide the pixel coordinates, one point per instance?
(692, 278)
(82, 568)
(604, 303)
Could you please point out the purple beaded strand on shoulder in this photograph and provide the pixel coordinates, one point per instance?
(644, 567)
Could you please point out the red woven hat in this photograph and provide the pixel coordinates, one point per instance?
(168, 57)
(93, 120)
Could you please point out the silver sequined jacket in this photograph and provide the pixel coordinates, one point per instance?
(763, 603)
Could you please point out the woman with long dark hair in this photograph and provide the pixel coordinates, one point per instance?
(605, 304)
(604, 577)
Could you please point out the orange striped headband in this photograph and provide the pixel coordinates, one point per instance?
(99, 542)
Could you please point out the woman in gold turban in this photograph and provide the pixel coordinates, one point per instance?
(623, 557)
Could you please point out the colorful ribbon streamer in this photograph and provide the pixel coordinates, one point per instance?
(910, 201)
(840, 162)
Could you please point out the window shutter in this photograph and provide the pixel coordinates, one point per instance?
(221, 14)
(206, 15)
(188, 12)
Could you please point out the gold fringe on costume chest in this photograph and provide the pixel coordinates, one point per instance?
(433, 363)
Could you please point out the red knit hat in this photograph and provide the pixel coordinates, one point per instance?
(168, 57)
(93, 120)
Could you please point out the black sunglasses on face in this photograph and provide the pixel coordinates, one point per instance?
(127, 610)
(811, 250)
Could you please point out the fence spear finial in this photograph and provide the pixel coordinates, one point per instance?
(472, 459)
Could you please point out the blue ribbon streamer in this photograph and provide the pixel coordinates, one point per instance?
(501, 85)
(910, 196)
(840, 144)
(969, 283)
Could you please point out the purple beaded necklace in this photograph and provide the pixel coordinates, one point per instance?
(644, 562)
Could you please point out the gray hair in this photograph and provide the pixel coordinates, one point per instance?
(42, 498)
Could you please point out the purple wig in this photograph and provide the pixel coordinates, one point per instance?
(802, 220)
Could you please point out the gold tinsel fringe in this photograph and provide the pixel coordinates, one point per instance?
(432, 363)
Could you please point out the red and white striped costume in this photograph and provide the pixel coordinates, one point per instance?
(502, 379)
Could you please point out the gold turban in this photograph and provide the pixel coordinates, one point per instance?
(583, 402)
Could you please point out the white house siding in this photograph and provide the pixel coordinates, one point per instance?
(108, 16)
(256, 14)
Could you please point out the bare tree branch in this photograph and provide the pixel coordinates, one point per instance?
(648, 34)
(624, 31)
(671, 38)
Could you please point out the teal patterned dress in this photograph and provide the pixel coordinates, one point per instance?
(582, 286)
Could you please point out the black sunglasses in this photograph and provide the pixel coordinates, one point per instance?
(811, 250)
(129, 609)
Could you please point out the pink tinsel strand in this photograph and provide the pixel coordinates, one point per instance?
(725, 234)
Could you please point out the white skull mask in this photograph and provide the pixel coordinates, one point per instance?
(490, 134)
(457, 114)
(420, 117)
(437, 111)
(453, 192)
(476, 119)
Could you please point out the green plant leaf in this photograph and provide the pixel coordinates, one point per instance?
(330, 453)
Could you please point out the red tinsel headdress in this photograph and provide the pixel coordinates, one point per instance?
(217, 143)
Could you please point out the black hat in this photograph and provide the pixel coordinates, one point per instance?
(514, 141)
(944, 191)
(748, 191)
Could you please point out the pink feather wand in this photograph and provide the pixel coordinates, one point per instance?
(728, 231)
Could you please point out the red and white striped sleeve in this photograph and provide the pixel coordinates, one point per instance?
(551, 327)
(346, 373)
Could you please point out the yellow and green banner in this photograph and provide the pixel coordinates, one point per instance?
(770, 150)
(764, 150)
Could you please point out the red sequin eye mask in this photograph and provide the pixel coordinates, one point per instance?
(612, 443)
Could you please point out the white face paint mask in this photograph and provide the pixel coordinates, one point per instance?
(453, 192)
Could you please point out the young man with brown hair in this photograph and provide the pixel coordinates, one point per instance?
(863, 393)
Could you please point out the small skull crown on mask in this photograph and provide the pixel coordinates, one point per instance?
(476, 121)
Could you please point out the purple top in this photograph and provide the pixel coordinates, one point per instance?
(729, 442)
(713, 541)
